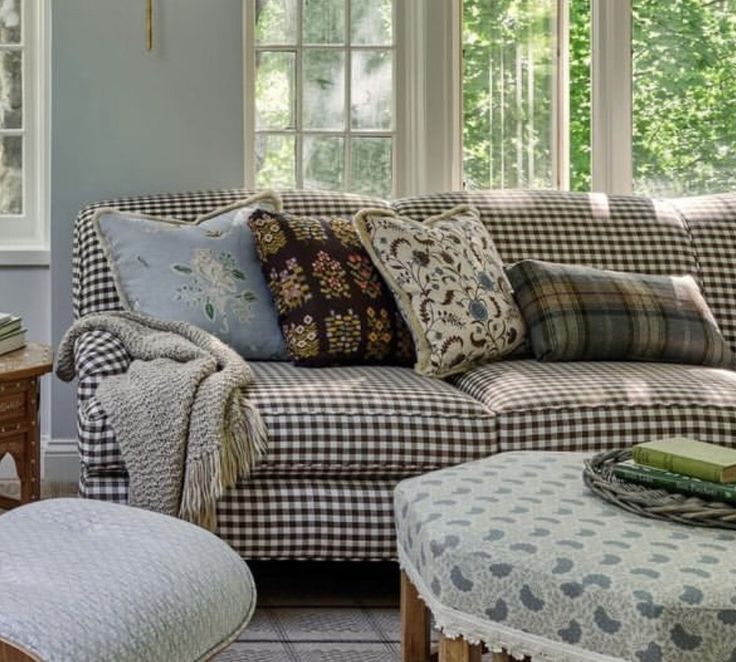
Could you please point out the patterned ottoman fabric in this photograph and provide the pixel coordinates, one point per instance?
(89, 581)
(600, 405)
(515, 551)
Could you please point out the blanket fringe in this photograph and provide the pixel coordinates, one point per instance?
(208, 478)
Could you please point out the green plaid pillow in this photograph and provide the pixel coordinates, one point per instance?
(577, 313)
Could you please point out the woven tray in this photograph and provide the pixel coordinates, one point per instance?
(649, 502)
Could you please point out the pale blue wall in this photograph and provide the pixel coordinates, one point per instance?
(125, 121)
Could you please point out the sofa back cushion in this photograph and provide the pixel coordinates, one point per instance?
(711, 220)
(622, 233)
(93, 287)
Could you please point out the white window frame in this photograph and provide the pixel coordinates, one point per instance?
(404, 57)
(24, 238)
(428, 147)
(611, 103)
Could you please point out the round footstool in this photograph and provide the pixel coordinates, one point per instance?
(89, 581)
(514, 551)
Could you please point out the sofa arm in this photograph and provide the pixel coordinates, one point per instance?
(97, 355)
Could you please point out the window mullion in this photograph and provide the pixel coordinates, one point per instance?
(249, 89)
(561, 147)
(611, 96)
(348, 142)
(298, 98)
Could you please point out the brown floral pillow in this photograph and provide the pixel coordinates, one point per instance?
(333, 306)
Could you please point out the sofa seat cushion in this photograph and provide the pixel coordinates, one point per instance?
(371, 421)
(365, 421)
(590, 406)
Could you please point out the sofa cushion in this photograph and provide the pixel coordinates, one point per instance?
(333, 306)
(374, 421)
(623, 233)
(449, 284)
(205, 273)
(578, 313)
(365, 421)
(93, 288)
(590, 406)
(711, 220)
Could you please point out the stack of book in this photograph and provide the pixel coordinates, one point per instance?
(683, 465)
(12, 333)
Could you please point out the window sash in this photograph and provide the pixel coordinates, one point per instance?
(299, 132)
(29, 230)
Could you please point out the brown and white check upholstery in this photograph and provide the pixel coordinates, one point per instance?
(625, 233)
(597, 405)
(357, 421)
(711, 220)
(340, 438)
(292, 518)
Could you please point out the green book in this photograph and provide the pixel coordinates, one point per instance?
(11, 328)
(689, 457)
(672, 482)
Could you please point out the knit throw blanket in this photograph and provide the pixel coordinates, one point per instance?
(180, 413)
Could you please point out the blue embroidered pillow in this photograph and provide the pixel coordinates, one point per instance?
(206, 273)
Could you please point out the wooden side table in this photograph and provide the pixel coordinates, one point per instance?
(19, 424)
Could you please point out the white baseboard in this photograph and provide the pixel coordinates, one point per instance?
(60, 460)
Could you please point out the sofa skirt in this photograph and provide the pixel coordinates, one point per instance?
(292, 518)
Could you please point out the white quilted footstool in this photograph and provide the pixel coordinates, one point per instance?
(84, 581)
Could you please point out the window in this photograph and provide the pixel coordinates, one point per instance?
(684, 96)
(510, 60)
(655, 117)
(606, 95)
(320, 95)
(22, 129)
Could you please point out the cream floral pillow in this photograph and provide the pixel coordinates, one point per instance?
(449, 284)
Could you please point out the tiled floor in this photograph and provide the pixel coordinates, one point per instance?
(322, 612)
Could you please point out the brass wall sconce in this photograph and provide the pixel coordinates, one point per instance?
(149, 25)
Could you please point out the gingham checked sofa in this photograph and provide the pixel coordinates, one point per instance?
(341, 438)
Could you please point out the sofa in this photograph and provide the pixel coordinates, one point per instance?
(341, 438)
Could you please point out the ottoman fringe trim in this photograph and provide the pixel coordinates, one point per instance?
(496, 637)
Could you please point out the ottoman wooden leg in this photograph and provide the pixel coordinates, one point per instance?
(459, 650)
(414, 624)
(501, 657)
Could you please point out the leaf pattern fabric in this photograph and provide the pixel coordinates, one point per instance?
(206, 273)
(450, 285)
(333, 306)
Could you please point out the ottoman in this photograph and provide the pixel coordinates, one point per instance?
(515, 552)
(89, 581)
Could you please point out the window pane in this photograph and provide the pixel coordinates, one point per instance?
(276, 22)
(371, 166)
(274, 90)
(324, 21)
(275, 161)
(324, 89)
(580, 89)
(684, 132)
(324, 162)
(10, 22)
(372, 89)
(507, 93)
(11, 89)
(371, 22)
(11, 175)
